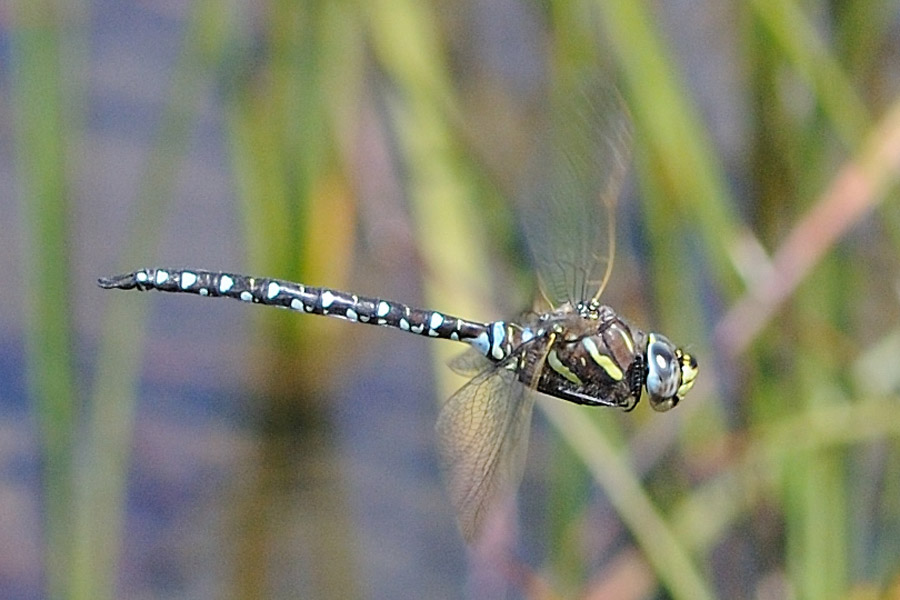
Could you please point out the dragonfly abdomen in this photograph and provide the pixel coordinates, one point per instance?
(489, 338)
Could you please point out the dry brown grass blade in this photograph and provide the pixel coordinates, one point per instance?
(858, 187)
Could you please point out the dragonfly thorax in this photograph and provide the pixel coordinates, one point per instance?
(593, 310)
(584, 355)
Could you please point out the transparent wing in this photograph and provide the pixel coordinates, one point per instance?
(482, 434)
(470, 363)
(568, 207)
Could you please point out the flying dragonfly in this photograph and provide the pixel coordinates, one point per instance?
(578, 350)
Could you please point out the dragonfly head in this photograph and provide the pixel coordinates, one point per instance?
(670, 373)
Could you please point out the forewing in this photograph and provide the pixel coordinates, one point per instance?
(568, 207)
(482, 434)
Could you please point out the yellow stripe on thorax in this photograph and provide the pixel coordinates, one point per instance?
(605, 362)
(562, 369)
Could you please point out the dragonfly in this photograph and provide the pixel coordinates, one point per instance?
(576, 349)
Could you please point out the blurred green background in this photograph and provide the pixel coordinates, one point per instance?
(155, 446)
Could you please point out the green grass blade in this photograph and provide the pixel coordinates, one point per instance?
(41, 146)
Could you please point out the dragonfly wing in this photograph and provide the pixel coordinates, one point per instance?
(470, 363)
(568, 207)
(482, 434)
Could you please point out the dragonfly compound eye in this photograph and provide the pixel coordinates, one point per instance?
(664, 373)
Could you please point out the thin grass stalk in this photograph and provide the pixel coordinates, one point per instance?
(667, 554)
(440, 190)
(815, 63)
(99, 507)
(820, 486)
(298, 217)
(815, 497)
(664, 116)
(42, 135)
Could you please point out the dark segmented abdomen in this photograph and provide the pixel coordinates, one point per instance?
(318, 301)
